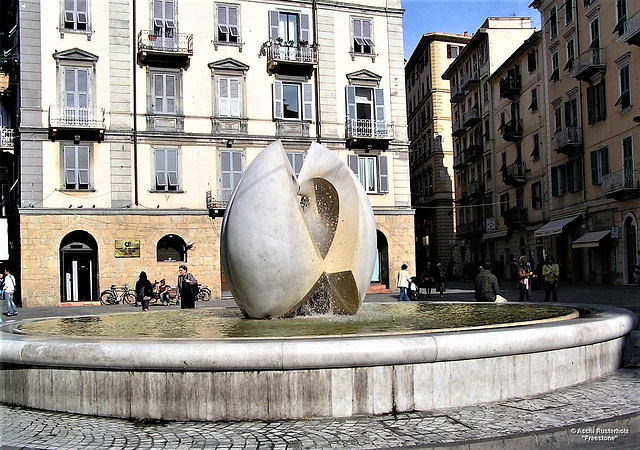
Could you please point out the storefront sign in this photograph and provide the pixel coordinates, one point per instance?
(127, 248)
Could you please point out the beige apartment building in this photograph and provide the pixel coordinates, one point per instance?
(431, 151)
(473, 131)
(138, 118)
(591, 61)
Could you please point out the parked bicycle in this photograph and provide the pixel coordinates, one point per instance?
(204, 293)
(114, 295)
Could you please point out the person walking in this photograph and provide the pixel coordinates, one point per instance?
(8, 289)
(187, 288)
(524, 275)
(404, 279)
(550, 273)
(441, 275)
(486, 285)
(144, 291)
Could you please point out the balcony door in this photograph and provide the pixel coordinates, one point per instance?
(164, 25)
(76, 97)
(366, 112)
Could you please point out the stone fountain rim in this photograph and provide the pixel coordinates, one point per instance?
(314, 353)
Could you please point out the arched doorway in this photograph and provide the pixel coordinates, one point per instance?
(630, 237)
(381, 269)
(79, 267)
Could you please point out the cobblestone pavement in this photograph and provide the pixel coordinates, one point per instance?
(607, 408)
(599, 414)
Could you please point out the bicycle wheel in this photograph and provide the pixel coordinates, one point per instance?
(107, 298)
(205, 294)
(129, 297)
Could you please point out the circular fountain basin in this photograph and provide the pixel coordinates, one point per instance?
(346, 370)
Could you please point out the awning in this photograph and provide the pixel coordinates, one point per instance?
(554, 227)
(591, 239)
(495, 234)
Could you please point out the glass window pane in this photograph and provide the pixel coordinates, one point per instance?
(291, 98)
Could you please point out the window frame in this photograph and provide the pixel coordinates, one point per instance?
(621, 16)
(71, 10)
(624, 98)
(536, 195)
(596, 103)
(171, 175)
(177, 94)
(599, 165)
(305, 100)
(358, 33)
(227, 105)
(227, 28)
(555, 67)
(78, 168)
(381, 169)
(230, 173)
(553, 22)
(179, 247)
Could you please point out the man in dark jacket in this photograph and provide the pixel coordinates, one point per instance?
(487, 287)
(187, 287)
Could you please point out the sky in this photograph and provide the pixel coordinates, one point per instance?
(457, 16)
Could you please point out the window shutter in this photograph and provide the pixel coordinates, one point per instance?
(366, 31)
(278, 106)
(351, 102)
(233, 21)
(225, 171)
(591, 114)
(223, 18)
(236, 159)
(381, 125)
(305, 33)
(570, 176)
(296, 160)
(157, 11)
(234, 97)
(352, 160)
(223, 94)
(70, 165)
(161, 174)
(604, 154)
(357, 29)
(307, 101)
(594, 167)
(169, 14)
(274, 28)
(172, 168)
(383, 174)
(81, 7)
(554, 181)
(83, 88)
(562, 181)
(70, 87)
(171, 93)
(83, 165)
(158, 92)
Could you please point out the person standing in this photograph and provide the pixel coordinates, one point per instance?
(524, 280)
(486, 284)
(8, 289)
(144, 291)
(441, 275)
(428, 278)
(187, 286)
(550, 273)
(404, 279)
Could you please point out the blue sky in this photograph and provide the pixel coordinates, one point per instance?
(457, 16)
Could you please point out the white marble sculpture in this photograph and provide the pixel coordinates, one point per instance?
(297, 246)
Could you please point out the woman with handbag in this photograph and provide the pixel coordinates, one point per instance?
(144, 291)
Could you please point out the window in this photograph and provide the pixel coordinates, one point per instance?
(164, 93)
(171, 248)
(292, 101)
(366, 112)
(574, 175)
(75, 15)
(557, 119)
(504, 203)
(536, 195)
(594, 46)
(553, 22)
(624, 100)
(531, 61)
(164, 24)
(166, 170)
(452, 51)
(488, 166)
(372, 172)
(535, 154)
(290, 27)
(555, 67)
(599, 165)
(230, 172)
(627, 161)
(76, 167)
(568, 12)
(596, 107)
(621, 16)
(571, 113)
(296, 160)
(362, 36)
(76, 96)
(228, 24)
(571, 55)
(558, 180)
(229, 97)
(534, 100)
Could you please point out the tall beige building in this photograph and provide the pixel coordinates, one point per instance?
(591, 61)
(431, 152)
(138, 118)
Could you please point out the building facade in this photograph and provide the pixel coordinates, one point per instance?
(591, 61)
(473, 124)
(431, 151)
(137, 119)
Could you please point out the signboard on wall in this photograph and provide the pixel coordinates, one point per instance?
(127, 248)
(4, 240)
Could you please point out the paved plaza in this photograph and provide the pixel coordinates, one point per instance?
(602, 413)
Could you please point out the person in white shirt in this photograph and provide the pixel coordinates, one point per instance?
(8, 289)
(403, 282)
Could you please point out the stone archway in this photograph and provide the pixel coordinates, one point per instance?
(78, 267)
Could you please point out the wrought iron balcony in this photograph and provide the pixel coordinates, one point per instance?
(76, 123)
(622, 184)
(475, 190)
(515, 175)
(631, 33)
(591, 62)
(510, 87)
(471, 116)
(459, 161)
(474, 152)
(568, 141)
(469, 78)
(166, 50)
(512, 130)
(7, 138)
(217, 202)
(457, 94)
(457, 129)
(363, 133)
(515, 217)
(294, 59)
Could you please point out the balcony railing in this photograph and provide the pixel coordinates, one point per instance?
(369, 131)
(515, 216)
(299, 53)
(217, 202)
(457, 129)
(514, 175)
(470, 77)
(568, 141)
(7, 137)
(168, 49)
(512, 130)
(74, 117)
(459, 161)
(474, 152)
(589, 63)
(510, 87)
(471, 116)
(631, 33)
(621, 184)
(457, 94)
